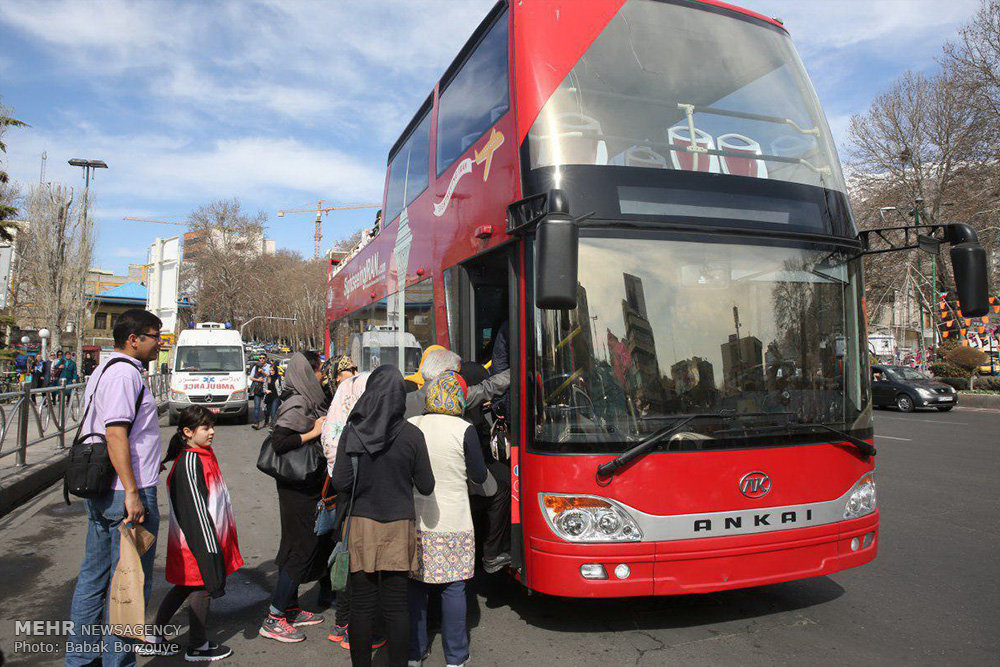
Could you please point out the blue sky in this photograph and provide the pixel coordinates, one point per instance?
(281, 103)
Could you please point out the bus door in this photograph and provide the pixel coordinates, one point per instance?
(481, 296)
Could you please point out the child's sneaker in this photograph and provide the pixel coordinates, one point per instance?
(337, 634)
(377, 642)
(279, 629)
(299, 617)
(210, 654)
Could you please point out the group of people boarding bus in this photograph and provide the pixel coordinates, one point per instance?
(384, 524)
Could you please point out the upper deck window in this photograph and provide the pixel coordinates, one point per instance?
(475, 98)
(679, 87)
(408, 171)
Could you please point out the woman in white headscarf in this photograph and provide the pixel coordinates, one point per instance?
(350, 387)
(301, 553)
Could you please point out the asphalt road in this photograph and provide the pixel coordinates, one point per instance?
(932, 596)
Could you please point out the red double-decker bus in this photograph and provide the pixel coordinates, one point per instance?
(648, 192)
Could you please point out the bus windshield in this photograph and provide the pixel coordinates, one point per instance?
(665, 328)
(209, 359)
(673, 86)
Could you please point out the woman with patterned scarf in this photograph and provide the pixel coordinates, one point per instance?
(446, 545)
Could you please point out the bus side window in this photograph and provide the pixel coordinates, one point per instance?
(475, 98)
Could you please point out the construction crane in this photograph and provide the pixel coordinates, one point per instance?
(320, 210)
(162, 222)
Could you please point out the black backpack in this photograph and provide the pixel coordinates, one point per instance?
(90, 473)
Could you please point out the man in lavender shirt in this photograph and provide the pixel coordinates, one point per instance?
(133, 436)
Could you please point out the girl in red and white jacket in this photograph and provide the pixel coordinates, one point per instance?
(202, 549)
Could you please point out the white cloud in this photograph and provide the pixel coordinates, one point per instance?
(152, 167)
(306, 61)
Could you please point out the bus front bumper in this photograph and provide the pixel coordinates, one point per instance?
(702, 565)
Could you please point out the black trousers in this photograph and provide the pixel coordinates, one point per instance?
(371, 591)
(497, 539)
(198, 603)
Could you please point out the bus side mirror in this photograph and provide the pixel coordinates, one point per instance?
(968, 261)
(557, 240)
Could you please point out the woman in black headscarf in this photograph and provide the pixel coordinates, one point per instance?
(392, 459)
(302, 554)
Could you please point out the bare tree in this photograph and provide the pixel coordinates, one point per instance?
(975, 59)
(920, 144)
(56, 251)
(296, 288)
(223, 261)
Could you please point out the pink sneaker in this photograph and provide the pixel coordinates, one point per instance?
(299, 617)
(279, 629)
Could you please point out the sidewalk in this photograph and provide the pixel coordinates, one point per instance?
(45, 462)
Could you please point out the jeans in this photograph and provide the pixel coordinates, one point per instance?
(256, 407)
(273, 409)
(286, 594)
(371, 593)
(454, 636)
(100, 559)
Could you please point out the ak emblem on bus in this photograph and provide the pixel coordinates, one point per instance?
(482, 156)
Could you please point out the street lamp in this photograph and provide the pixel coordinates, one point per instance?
(88, 167)
(44, 335)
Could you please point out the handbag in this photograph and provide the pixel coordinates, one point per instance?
(340, 559)
(301, 466)
(89, 472)
(326, 511)
(499, 441)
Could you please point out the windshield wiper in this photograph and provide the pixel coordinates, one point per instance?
(606, 470)
(864, 447)
(789, 428)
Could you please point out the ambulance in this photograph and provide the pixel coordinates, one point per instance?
(209, 370)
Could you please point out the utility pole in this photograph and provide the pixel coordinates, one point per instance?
(88, 167)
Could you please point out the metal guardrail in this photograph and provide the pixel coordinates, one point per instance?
(59, 407)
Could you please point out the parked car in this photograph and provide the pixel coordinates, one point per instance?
(284, 349)
(907, 389)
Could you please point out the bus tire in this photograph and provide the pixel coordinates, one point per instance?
(904, 403)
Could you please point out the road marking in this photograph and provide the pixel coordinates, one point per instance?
(917, 419)
(890, 437)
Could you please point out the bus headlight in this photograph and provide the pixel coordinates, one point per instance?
(240, 395)
(588, 519)
(178, 396)
(863, 498)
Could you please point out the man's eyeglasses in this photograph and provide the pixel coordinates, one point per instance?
(149, 335)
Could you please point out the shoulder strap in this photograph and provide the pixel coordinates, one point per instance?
(100, 377)
(350, 506)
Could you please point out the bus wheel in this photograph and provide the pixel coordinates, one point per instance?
(945, 408)
(904, 403)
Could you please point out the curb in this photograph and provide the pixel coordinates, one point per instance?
(988, 401)
(32, 479)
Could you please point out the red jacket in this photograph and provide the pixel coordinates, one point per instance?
(202, 548)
